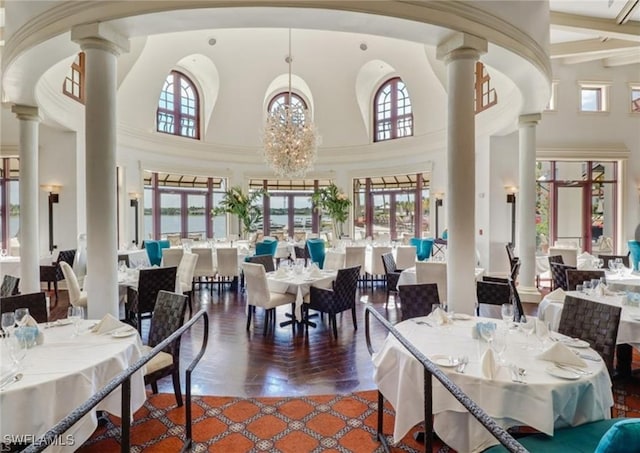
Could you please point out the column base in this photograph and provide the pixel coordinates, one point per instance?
(529, 294)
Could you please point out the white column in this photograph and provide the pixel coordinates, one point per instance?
(526, 208)
(101, 47)
(460, 54)
(29, 236)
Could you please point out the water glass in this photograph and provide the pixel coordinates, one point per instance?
(8, 321)
(18, 349)
(579, 288)
(600, 263)
(75, 314)
(21, 316)
(499, 345)
(507, 313)
(594, 284)
(586, 286)
(527, 326)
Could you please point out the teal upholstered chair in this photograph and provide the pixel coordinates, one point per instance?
(423, 247)
(634, 249)
(154, 252)
(604, 436)
(316, 251)
(267, 247)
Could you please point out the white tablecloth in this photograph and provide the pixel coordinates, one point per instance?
(408, 276)
(135, 258)
(63, 373)
(545, 403)
(299, 285)
(550, 310)
(627, 281)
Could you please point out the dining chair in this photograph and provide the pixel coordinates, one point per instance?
(492, 293)
(510, 254)
(264, 260)
(518, 311)
(186, 269)
(171, 257)
(141, 300)
(433, 272)
(52, 273)
(569, 255)
(634, 252)
(375, 267)
(168, 316)
(10, 286)
(259, 295)
(577, 276)
(559, 274)
(392, 274)
(77, 297)
(417, 300)
(154, 252)
(341, 297)
(267, 247)
(607, 258)
(301, 253)
(35, 302)
(355, 255)
(204, 266)
(593, 322)
(333, 260)
(406, 256)
(174, 239)
(316, 251)
(227, 267)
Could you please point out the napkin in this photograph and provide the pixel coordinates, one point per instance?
(559, 353)
(542, 331)
(488, 364)
(315, 272)
(439, 316)
(107, 324)
(29, 321)
(557, 295)
(280, 273)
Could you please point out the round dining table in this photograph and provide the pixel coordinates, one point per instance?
(544, 402)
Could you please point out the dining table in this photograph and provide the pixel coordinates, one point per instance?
(408, 276)
(59, 375)
(134, 258)
(546, 400)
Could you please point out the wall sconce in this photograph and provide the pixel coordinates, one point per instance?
(54, 197)
(134, 196)
(511, 199)
(439, 196)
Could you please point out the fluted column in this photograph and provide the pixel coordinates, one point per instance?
(526, 206)
(101, 46)
(460, 54)
(29, 224)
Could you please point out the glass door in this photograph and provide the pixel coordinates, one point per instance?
(197, 217)
(571, 213)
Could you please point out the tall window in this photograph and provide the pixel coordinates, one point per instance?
(73, 85)
(635, 98)
(9, 202)
(485, 95)
(178, 107)
(594, 97)
(393, 115)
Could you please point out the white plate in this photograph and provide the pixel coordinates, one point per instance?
(574, 342)
(461, 316)
(563, 374)
(444, 360)
(122, 333)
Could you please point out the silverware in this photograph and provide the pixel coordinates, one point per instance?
(7, 383)
(462, 363)
(518, 374)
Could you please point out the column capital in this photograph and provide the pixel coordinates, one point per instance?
(25, 112)
(529, 119)
(99, 35)
(461, 45)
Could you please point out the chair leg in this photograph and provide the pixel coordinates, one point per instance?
(353, 316)
(154, 387)
(55, 288)
(249, 313)
(176, 387)
(267, 314)
(334, 324)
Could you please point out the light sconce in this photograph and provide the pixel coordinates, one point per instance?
(134, 197)
(438, 196)
(511, 199)
(54, 197)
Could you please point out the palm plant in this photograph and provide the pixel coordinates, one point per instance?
(335, 203)
(242, 205)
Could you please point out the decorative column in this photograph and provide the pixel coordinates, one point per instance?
(101, 46)
(29, 224)
(460, 53)
(526, 243)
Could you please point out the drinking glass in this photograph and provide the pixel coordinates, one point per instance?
(579, 288)
(586, 286)
(612, 265)
(499, 345)
(507, 314)
(75, 314)
(8, 321)
(17, 349)
(600, 263)
(21, 315)
(527, 326)
(594, 284)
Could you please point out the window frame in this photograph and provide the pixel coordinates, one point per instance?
(176, 112)
(394, 117)
(77, 67)
(603, 101)
(634, 87)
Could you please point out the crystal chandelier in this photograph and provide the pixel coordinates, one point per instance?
(290, 138)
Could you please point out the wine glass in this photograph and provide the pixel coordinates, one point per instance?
(507, 314)
(499, 345)
(8, 321)
(21, 316)
(18, 349)
(75, 314)
(527, 326)
(600, 263)
(586, 287)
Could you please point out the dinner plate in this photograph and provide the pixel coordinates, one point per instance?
(574, 342)
(122, 333)
(563, 374)
(461, 316)
(446, 361)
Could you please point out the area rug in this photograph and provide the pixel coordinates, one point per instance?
(333, 423)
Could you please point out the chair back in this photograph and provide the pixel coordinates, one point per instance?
(187, 269)
(72, 283)
(493, 293)
(518, 311)
(227, 261)
(171, 257)
(559, 275)
(345, 287)
(174, 239)
(377, 268)
(301, 252)
(151, 282)
(355, 256)
(634, 251)
(569, 255)
(334, 260)
(168, 316)
(406, 256)
(204, 266)
(267, 247)
(258, 293)
(423, 247)
(433, 272)
(592, 322)
(389, 263)
(555, 259)
(35, 302)
(10, 285)
(65, 256)
(576, 277)
(416, 300)
(153, 251)
(607, 258)
(510, 254)
(265, 260)
(316, 251)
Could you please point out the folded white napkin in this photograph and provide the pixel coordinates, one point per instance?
(29, 321)
(107, 324)
(559, 353)
(315, 272)
(439, 316)
(280, 273)
(557, 295)
(489, 365)
(542, 331)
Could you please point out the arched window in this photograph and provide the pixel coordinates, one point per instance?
(178, 107)
(392, 111)
(283, 99)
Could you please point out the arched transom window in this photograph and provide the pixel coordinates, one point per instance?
(178, 107)
(282, 99)
(392, 111)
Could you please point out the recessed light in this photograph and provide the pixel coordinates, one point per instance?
(212, 42)
(363, 46)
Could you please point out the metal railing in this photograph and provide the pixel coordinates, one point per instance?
(124, 379)
(430, 369)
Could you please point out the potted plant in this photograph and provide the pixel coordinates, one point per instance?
(242, 205)
(335, 203)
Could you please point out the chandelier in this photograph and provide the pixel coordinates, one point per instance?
(290, 138)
